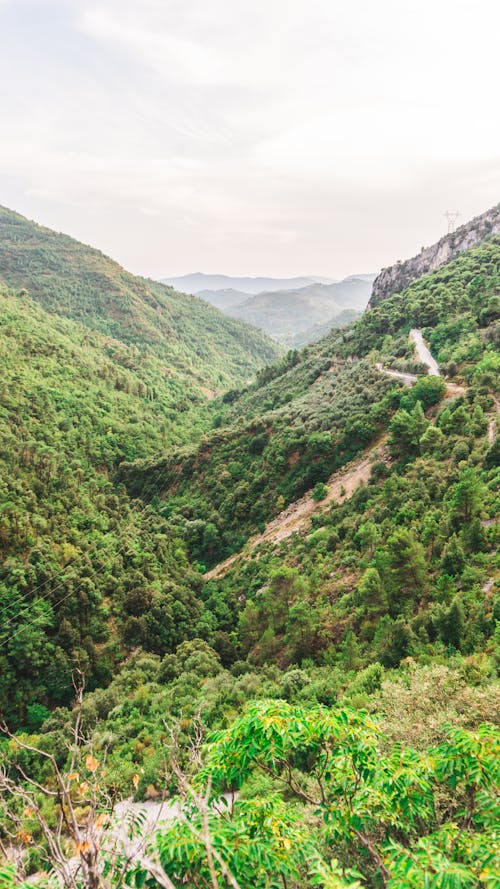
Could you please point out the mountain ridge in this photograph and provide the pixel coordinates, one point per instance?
(285, 313)
(196, 281)
(71, 279)
(290, 314)
(397, 277)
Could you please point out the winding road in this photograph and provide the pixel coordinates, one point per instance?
(423, 354)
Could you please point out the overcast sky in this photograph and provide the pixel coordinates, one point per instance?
(276, 137)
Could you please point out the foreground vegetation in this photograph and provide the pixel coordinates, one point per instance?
(325, 796)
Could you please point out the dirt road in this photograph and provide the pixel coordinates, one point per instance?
(407, 379)
(493, 424)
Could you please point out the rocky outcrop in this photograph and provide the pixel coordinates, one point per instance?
(396, 277)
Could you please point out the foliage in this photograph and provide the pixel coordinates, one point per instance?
(323, 415)
(141, 318)
(385, 805)
(117, 368)
(452, 305)
(369, 646)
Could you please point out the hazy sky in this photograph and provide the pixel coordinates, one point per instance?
(250, 136)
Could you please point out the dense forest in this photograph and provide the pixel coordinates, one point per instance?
(321, 709)
(315, 410)
(75, 402)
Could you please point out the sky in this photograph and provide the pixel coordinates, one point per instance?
(250, 137)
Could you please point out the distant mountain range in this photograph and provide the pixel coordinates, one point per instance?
(198, 281)
(290, 314)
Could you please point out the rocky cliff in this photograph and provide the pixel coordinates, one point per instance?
(395, 278)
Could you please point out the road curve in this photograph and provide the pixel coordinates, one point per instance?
(423, 354)
(407, 379)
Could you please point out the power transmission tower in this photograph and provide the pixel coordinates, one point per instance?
(452, 216)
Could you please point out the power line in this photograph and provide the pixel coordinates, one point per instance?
(452, 216)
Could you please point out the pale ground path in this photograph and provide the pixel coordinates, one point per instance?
(341, 486)
(407, 379)
(493, 424)
(153, 816)
(121, 838)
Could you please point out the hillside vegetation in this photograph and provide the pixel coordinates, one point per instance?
(195, 345)
(317, 409)
(97, 367)
(344, 680)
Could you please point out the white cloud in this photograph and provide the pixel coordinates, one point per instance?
(245, 131)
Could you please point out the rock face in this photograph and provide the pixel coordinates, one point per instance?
(395, 278)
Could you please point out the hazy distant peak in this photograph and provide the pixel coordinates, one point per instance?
(198, 281)
(291, 311)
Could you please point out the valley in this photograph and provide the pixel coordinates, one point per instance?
(231, 571)
(249, 445)
(295, 312)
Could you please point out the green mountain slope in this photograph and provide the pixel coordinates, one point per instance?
(408, 566)
(97, 367)
(291, 433)
(309, 415)
(197, 344)
(75, 548)
(318, 331)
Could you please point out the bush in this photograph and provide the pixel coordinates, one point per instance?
(320, 491)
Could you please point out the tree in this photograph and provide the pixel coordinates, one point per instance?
(259, 843)
(408, 571)
(392, 641)
(350, 652)
(406, 429)
(285, 588)
(320, 491)
(211, 540)
(71, 790)
(453, 561)
(368, 535)
(81, 842)
(450, 623)
(465, 497)
(371, 593)
(380, 802)
(300, 629)
(431, 441)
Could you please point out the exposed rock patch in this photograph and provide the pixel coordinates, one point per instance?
(395, 278)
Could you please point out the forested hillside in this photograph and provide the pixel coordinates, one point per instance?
(195, 344)
(319, 408)
(97, 367)
(73, 544)
(342, 679)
